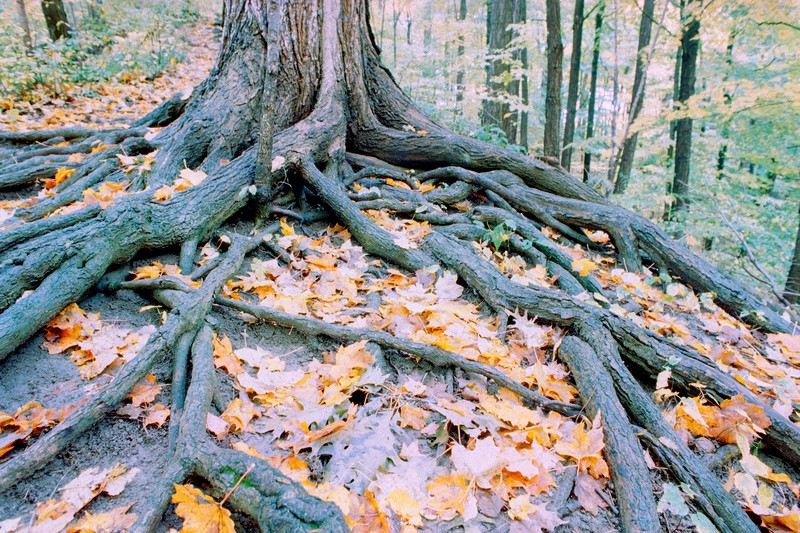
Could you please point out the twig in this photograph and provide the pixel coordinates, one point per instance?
(776, 291)
(249, 469)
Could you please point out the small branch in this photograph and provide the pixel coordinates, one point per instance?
(241, 478)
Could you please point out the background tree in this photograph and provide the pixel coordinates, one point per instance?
(637, 97)
(460, 17)
(56, 19)
(574, 79)
(27, 41)
(690, 44)
(598, 28)
(792, 291)
(555, 53)
(501, 84)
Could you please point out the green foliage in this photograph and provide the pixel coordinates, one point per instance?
(117, 40)
(495, 135)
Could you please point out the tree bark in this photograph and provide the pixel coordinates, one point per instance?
(555, 53)
(27, 42)
(598, 28)
(461, 16)
(501, 86)
(792, 290)
(572, 91)
(637, 97)
(727, 98)
(56, 19)
(690, 28)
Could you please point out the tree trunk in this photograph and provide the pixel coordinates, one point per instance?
(598, 28)
(298, 103)
(555, 53)
(792, 290)
(521, 88)
(690, 44)
(56, 19)
(637, 97)
(676, 89)
(501, 86)
(460, 18)
(572, 91)
(727, 98)
(22, 12)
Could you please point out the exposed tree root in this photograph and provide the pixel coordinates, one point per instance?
(274, 501)
(185, 319)
(637, 507)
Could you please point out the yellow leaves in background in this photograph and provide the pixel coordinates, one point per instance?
(58, 515)
(188, 178)
(95, 347)
(200, 513)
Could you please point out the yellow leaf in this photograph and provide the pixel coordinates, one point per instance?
(163, 193)
(413, 417)
(239, 414)
(156, 415)
(200, 513)
(99, 148)
(61, 174)
(115, 520)
(597, 236)
(584, 266)
(407, 508)
(189, 178)
(145, 391)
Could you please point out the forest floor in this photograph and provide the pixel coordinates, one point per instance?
(396, 443)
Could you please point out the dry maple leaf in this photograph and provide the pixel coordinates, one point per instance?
(584, 266)
(117, 520)
(145, 391)
(200, 513)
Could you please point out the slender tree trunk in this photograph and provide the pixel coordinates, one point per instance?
(555, 53)
(427, 33)
(676, 89)
(598, 27)
(637, 97)
(496, 111)
(56, 19)
(521, 55)
(683, 135)
(572, 90)
(792, 290)
(395, 20)
(615, 97)
(27, 42)
(460, 18)
(728, 100)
